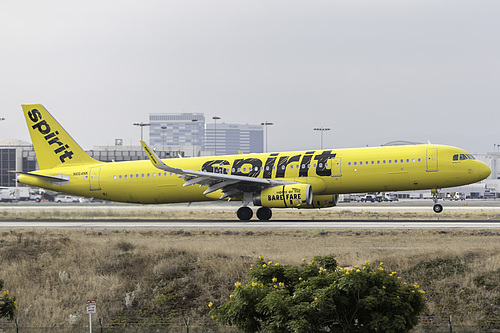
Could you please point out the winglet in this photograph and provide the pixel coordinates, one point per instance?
(157, 162)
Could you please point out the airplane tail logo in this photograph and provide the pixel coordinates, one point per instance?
(53, 145)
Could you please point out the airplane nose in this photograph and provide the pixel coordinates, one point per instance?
(483, 170)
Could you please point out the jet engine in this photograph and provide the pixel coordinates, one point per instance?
(284, 196)
(323, 201)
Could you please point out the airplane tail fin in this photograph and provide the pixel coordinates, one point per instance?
(53, 145)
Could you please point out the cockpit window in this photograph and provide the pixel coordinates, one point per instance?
(462, 157)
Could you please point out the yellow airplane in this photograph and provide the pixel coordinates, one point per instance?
(301, 179)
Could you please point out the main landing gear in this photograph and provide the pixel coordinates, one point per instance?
(245, 213)
(437, 207)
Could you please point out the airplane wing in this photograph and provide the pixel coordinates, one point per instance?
(230, 185)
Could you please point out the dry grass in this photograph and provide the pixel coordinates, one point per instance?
(223, 211)
(167, 274)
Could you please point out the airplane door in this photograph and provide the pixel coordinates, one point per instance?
(94, 179)
(336, 167)
(432, 160)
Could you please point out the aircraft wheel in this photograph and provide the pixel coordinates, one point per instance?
(244, 213)
(437, 208)
(264, 213)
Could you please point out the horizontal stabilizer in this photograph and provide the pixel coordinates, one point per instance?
(57, 180)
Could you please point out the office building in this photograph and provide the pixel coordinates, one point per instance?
(231, 138)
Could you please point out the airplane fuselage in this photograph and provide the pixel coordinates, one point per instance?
(330, 171)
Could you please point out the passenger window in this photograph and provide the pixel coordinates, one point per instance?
(413, 160)
(349, 163)
(378, 162)
(407, 160)
(361, 163)
(395, 161)
(390, 161)
(114, 177)
(355, 163)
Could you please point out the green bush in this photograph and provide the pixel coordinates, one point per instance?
(8, 304)
(321, 297)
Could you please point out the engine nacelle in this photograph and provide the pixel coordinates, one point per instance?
(284, 196)
(323, 201)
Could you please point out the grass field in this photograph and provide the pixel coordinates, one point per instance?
(160, 275)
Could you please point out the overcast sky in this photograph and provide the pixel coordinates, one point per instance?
(372, 71)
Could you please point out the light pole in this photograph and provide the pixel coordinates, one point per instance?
(215, 118)
(192, 133)
(163, 128)
(321, 129)
(141, 124)
(265, 124)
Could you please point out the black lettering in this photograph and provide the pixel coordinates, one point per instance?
(34, 115)
(43, 123)
(306, 160)
(254, 171)
(282, 164)
(268, 169)
(324, 164)
(51, 135)
(216, 166)
(60, 149)
(67, 154)
(55, 140)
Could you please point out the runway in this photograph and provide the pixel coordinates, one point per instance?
(471, 214)
(223, 225)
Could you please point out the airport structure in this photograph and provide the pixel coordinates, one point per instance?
(226, 139)
(171, 130)
(18, 155)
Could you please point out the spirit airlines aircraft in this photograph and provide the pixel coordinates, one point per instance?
(301, 179)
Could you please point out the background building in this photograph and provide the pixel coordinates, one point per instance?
(177, 129)
(232, 138)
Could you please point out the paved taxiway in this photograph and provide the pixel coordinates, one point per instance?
(125, 224)
(277, 222)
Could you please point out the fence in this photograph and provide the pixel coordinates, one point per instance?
(427, 324)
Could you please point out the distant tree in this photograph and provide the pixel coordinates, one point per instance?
(321, 297)
(8, 305)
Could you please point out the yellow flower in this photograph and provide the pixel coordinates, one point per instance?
(231, 296)
(381, 263)
(356, 267)
(316, 299)
(303, 259)
(275, 279)
(237, 284)
(383, 287)
(264, 265)
(421, 291)
(270, 263)
(281, 284)
(300, 279)
(358, 270)
(277, 264)
(210, 304)
(347, 273)
(6, 293)
(261, 257)
(254, 284)
(367, 262)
